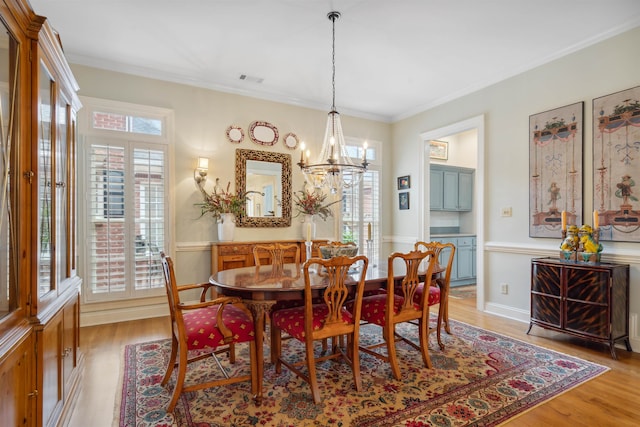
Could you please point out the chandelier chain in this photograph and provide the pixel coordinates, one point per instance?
(334, 167)
(333, 17)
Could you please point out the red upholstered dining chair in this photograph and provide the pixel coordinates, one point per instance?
(326, 319)
(439, 294)
(205, 329)
(399, 305)
(275, 255)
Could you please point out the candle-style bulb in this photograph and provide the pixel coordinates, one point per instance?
(302, 152)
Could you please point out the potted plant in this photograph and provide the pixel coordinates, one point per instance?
(311, 204)
(224, 206)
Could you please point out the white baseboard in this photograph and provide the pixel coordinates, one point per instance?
(507, 311)
(123, 314)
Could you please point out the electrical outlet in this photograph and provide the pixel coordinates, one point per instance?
(504, 288)
(505, 211)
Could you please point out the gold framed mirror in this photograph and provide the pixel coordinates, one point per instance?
(266, 177)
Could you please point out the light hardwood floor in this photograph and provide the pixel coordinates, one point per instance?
(608, 400)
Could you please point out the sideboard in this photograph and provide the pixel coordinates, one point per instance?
(588, 300)
(226, 255)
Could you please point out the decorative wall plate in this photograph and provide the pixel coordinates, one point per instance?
(290, 140)
(235, 134)
(263, 133)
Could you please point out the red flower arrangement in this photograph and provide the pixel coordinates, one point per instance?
(222, 201)
(312, 203)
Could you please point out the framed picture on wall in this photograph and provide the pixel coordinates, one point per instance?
(555, 169)
(404, 182)
(616, 165)
(439, 150)
(403, 200)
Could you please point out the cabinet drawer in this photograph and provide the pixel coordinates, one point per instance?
(588, 285)
(235, 249)
(465, 241)
(587, 319)
(546, 309)
(546, 279)
(232, 258)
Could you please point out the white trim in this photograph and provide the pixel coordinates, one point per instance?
(117, 107)
(477, 123)
(125, 314)
(165, 142)
(508, 312)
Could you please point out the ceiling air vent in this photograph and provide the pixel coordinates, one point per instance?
(251, 78)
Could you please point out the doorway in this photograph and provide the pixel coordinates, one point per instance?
(475, 124)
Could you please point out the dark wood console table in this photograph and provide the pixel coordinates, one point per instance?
(588, 300)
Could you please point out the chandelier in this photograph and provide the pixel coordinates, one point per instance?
(334, 167)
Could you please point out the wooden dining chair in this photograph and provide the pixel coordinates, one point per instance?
(439, 294)
(327, 319)
(215, 325)
(276, 254)
(399, 305)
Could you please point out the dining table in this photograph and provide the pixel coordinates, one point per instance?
(261, 287)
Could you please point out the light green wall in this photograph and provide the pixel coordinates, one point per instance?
(604, 68)
(201, 119)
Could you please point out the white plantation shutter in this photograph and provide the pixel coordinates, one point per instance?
(361, 204)
(126, 224)
(149, 218)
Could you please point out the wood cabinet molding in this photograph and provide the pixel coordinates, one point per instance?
(39, 327)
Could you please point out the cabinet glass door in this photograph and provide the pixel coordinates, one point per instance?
(62, 191)
(9, 58)
(46, 183)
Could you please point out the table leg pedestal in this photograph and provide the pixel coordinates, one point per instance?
(259, 309)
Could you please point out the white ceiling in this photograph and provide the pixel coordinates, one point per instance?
(393, 58)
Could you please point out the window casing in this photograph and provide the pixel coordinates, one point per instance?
(361, 204)
(125, 212)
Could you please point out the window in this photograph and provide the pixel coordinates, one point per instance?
(113, 193)
(126, 123)
(125, 215)
(361, 204)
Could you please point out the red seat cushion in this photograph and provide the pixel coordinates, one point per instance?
(202, 332)
(291, 320)
(374, 306)
(434, 294)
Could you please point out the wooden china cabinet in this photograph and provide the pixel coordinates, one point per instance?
(40, 361)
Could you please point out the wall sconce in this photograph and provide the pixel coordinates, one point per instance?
(200, 173)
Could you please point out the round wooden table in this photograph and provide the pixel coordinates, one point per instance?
(262, 287)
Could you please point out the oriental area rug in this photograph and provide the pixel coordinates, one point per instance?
(480, 379)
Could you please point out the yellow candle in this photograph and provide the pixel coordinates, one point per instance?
(369, 231)
(308, 232)
(595, 220)
(564, 220)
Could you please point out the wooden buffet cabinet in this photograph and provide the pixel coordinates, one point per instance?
(226, 255)
(40, 359)
(588, 300)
